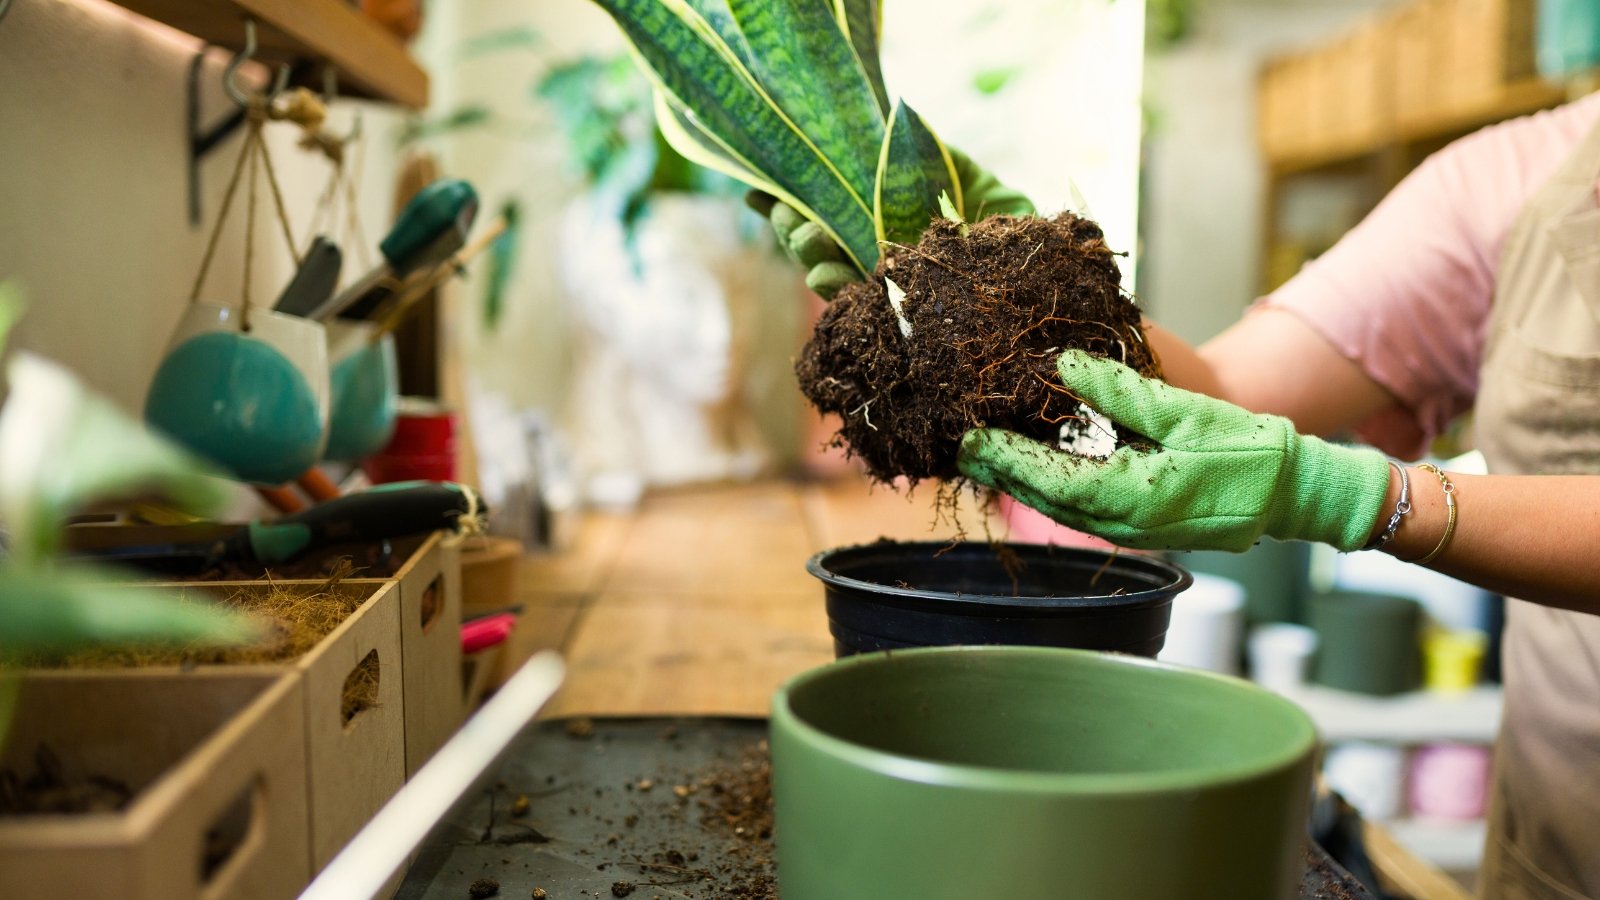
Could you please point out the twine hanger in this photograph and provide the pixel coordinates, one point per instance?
(302, 108)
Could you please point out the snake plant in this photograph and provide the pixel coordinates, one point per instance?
(788, 97)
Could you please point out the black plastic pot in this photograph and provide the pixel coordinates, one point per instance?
(890, 595)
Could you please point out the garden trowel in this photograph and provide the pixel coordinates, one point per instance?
(431, 228)
(314, 281)
(386, 511)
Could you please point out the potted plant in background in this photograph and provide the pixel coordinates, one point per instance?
(668, 277)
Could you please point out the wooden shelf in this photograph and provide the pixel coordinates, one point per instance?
(370, 61)
(1513, 100)
(1415, 718)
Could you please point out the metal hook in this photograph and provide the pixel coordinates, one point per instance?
(279, 82)
(330, 93)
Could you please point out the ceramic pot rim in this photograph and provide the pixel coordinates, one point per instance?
(957, 775)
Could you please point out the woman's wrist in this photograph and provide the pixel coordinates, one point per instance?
(1420, 529)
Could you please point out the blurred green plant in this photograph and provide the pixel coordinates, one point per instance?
(605, 109)
(1168, 22)
(62, 449)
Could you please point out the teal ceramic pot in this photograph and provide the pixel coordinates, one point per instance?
(364, 385)
(1033, 773)
(254, 402)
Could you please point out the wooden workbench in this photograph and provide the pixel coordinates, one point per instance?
(698, 603)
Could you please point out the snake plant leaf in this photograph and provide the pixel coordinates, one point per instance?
(809, 68)
(61, 609)
(720, 17)
(982, 194)
(703, 76)
(862, 23)
(62, 447)
(684, 135)
(914, 169)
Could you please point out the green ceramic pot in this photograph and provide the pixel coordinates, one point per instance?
(1034, 773)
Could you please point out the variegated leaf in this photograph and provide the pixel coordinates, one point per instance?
(913, 170)
(690, 61)
(862, 22)
(807, 66)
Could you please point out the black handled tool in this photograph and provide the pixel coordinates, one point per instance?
(386, 511)
(314, 281)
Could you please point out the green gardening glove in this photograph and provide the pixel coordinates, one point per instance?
(1220, 479)
(827, 269)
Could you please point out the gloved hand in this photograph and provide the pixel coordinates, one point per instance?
(827, 270)
(1220, 479)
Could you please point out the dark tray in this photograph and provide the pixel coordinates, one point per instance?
(589, 826)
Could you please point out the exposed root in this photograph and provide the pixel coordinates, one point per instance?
(991, 305)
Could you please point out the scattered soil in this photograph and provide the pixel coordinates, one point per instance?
(51, 790)
(484, 887)
(736, 799)
(1324, 882)
(991, 306)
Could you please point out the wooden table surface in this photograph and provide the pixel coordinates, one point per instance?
(698, 602)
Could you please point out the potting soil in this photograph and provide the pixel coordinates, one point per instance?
(990, 307)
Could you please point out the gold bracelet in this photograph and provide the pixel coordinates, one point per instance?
(1450, 504)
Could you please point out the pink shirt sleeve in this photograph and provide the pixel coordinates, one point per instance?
(1406, 293)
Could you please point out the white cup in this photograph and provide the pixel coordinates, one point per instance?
(1207, 626)
(1370, 776)
(1280, 655)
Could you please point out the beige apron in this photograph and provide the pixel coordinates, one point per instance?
(1538, 412)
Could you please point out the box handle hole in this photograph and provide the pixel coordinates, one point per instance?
(432, 605)
(235, 830)
(360, 689)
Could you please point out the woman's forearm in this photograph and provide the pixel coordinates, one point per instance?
(1534, 537)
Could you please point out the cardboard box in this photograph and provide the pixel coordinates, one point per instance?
(429, 583)
(427, 579)
(1286, 112)
(1421, 38)
(1492, 47)
(1363, 64)
(353, 766)
(218, 761)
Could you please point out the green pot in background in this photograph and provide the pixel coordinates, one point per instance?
(1370, 643)
(1275, 575)
(1035, 773)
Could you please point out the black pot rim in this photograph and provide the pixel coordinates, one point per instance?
(1135, 565)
